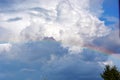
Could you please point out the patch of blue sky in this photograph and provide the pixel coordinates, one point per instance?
(6, 3)
(111, 9)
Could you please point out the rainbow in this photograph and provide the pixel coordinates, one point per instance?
(93, 47)
(101, 50)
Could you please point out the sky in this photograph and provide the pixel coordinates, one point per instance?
(58, 39)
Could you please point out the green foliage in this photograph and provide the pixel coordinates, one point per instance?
(110, 73)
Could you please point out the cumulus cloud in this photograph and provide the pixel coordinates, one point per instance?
(40, 36)
(68, 22)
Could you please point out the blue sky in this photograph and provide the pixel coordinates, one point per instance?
(62, 40)
(111, 9)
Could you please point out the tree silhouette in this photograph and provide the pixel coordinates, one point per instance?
(110, 73)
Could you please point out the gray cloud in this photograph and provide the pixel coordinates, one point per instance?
(14, 19)
(54, 67)
(47, 59)
(36, 51)
(71, 67)
(111, 42)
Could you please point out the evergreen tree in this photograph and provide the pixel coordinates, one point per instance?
(110, 73)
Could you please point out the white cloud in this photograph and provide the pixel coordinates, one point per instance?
(5, 47)
(73, 23)
(115, 59)
(108, 62)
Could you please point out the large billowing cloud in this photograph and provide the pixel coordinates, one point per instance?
(41, 38)
(71, 23)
